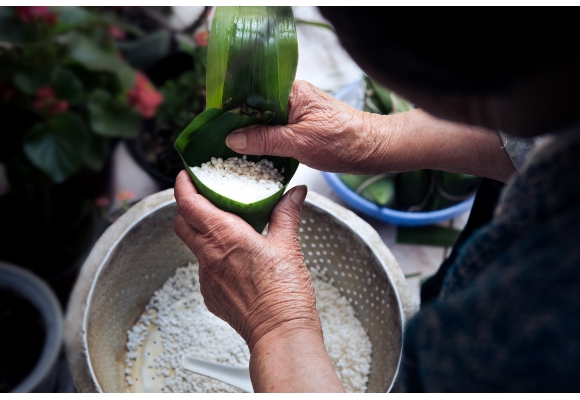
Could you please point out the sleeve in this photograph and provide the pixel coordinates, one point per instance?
(518, 148)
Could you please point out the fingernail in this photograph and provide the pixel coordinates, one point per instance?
(298, 195)
(236, 141)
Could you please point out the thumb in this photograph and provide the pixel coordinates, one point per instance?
(285, 218)
(268, 140)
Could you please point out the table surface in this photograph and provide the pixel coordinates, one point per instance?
(324, 63)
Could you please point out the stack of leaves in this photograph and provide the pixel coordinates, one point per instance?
(252, 60)
(420, 190)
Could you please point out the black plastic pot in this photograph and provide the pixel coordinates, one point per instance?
(31, 332)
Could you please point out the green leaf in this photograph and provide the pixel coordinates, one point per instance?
(30, 80)
(145, 52)
(377, 189)
(66, 85)
(109, 118)
(432, 235)
(253, 54)
(13, 29)
(205, 138)
(413, 189)
(58, 145)
(453, 188)
(98, 150)
(85, 52)
(252, 59)
(400, 105)
(380, 97)
(69, 17)
(353, 182)
(314, 23)
(380, 192)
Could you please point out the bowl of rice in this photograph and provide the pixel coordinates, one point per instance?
(136, 308)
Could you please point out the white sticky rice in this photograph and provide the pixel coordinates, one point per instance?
(240, 179)
(186, 326)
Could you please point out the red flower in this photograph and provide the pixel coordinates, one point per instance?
(202, 38)
(124, 195)
(30, 14)
(45, 101)
(116, 32)
(102, 201)
(144, 96)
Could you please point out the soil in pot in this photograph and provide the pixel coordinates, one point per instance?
(22, 337)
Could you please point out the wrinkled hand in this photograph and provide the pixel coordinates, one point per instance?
(322, 132)
(258, 284)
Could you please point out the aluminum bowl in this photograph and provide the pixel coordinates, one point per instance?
(140, 251)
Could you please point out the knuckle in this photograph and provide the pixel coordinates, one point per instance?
(266, 141)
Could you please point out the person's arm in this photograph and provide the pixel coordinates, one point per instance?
(292, 360)
(328, 135)
(260, 286)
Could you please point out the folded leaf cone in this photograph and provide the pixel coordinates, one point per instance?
(252, 60)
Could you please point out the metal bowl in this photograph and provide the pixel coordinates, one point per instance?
(140, 251)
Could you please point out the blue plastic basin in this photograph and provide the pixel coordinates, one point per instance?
(352, 95)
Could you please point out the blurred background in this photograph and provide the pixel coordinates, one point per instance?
(91, 102)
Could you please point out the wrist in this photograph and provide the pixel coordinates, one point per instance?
(289, 329)
(292, 359)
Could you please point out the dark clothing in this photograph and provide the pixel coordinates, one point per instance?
(507, 318)
(481, 213)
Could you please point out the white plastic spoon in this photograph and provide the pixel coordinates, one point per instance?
(235, 376)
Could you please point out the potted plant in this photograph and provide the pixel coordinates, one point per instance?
(178, 70)
(65, 96)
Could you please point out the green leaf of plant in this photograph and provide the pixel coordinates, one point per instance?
(13, 29)
(143, 53)
(108, 118)
(58, 145)
(66, 85)
(70, 17)
(431, 235)
(253, 55)
(85, 52)
(97, 152)
(30, 80)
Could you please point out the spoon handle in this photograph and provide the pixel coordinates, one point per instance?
(235, 376)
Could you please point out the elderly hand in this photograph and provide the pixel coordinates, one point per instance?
(259, 285)
(326, 134)
(322, 132)
(255, 283)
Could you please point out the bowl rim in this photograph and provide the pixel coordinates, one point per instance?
(395, 217)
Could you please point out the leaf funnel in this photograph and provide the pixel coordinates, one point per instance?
(252, 60)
